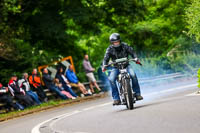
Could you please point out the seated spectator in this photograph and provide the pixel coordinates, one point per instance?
(19, 93)
(48, 80)
(24, 84)
(74, 82)
(59, 85)
(5, 98)
(65, 83)
(35, 81)
(89, 73)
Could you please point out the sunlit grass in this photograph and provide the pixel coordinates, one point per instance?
(50, 103)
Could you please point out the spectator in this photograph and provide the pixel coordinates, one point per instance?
(5, 98)
(35, 81)
(19, 93)
(65, 83)
(89, 73)
(74, 82)
(59, 85)
(48, 80)
(23, 83)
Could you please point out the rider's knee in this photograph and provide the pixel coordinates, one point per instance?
(112, 79)
(132, 74)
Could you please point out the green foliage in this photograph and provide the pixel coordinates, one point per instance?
(198, 75)
(193, 19)
(34, 33)
(163, 23)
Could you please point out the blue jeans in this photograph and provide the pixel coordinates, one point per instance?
(57, 91)
(113, 77)
(34, 96)
(69, 89)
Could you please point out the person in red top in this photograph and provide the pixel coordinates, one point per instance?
(35, 81)
(19, 93)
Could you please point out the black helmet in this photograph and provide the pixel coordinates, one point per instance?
(114, 37)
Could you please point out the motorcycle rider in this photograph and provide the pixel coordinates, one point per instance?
(117, 50)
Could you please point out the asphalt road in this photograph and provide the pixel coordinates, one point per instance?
(167, 108)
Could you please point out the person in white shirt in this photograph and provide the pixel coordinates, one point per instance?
(24, 84)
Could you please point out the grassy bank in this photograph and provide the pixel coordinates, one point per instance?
(46, 106)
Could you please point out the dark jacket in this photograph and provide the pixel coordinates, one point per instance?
(61, 80)
(116, 53)
(48, 80)
(14, 87)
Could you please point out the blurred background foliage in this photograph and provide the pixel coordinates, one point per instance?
(164, 33)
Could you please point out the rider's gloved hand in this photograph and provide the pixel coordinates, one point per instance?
(103, 69)
(137, 61)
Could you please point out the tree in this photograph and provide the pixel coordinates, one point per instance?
(193, 19)
(34, 33)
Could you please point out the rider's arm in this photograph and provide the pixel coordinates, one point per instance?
(106, 57)
(130, 51)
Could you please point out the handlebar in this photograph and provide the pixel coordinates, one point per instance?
(123, 60)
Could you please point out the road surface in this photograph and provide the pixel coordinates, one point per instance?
(167, 108)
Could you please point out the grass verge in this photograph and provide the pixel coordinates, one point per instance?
(46, 106)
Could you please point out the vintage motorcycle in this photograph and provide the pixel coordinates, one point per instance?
(127, 96)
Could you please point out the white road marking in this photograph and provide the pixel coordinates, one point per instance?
(105, 104)
(89, 108)
(96, 106)
(37, 127)
(57, 118)
(63, 116)
(86, 109)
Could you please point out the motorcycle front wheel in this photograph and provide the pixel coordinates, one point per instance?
(128, 94)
